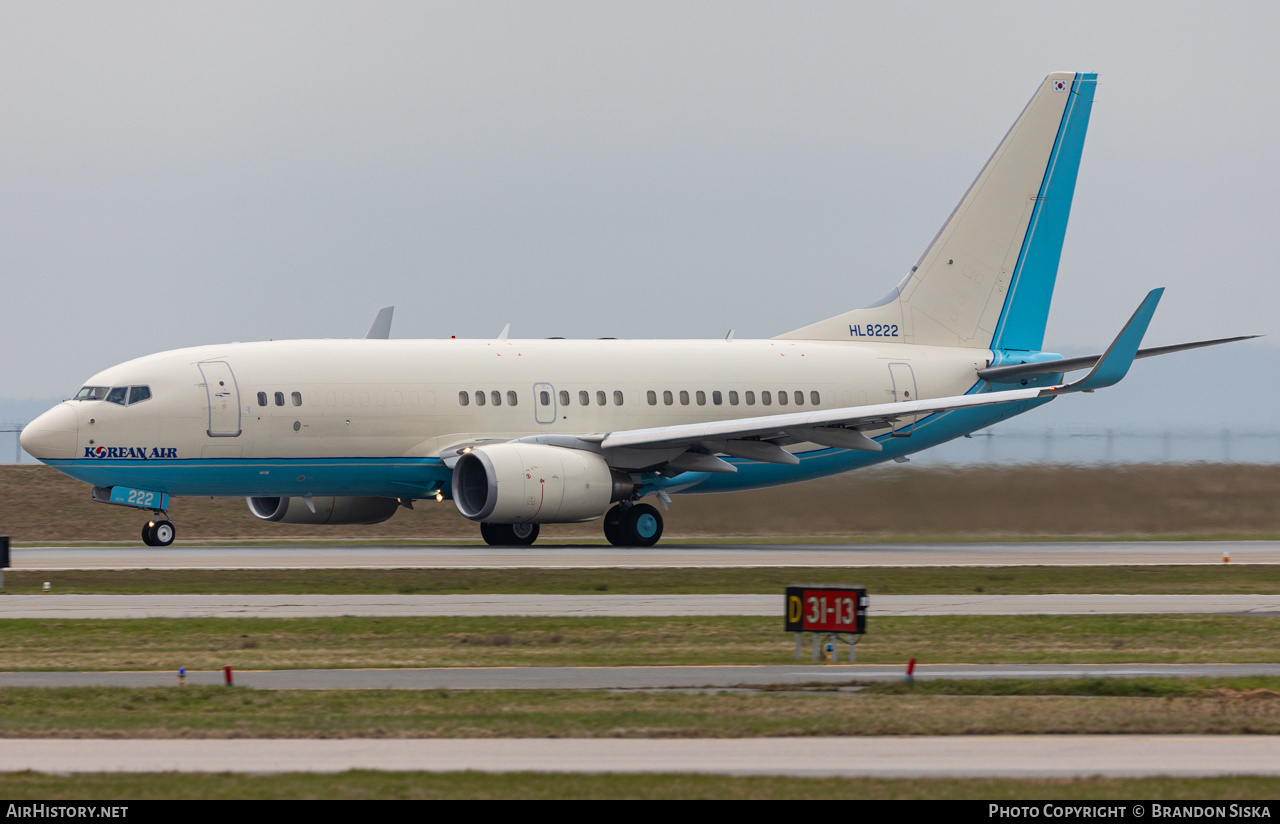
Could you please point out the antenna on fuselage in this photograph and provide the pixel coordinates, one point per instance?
(381, 328)
(503, 334)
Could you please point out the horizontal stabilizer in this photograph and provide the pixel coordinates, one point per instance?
(1052, 367)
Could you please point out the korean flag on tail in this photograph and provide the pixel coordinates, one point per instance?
(1060, 85)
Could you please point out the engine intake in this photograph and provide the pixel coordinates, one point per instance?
(329, 510)
(527, 483)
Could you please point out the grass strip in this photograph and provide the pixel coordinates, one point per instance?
(361, 785)
(1226, 707)
(1014, 580)
(294, 643)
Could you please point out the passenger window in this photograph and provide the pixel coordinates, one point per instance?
(782, 398)
(297, 398)
(667, 398)
(799, 398)
(751, 398)
(138, 394)
(118, 394)
(716, 398)
(279, 399)
(544, 397)
(584, 397)
(701, 397)
(497, 397)
(599, 397)
(652, 397)
(479, 397)
(766, 398)
(262, 399)
(617, 397)
(815, 398)
(564, 398)
(684, 397)
(733, 397)
(463, 398)
(511, 397)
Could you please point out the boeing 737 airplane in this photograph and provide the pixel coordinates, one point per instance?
(519, 433)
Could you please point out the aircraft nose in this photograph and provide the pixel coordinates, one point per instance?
(53, 434)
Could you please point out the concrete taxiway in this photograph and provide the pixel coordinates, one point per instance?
(311, 606)
(545, 556)
(1022, 756)
(623, 678)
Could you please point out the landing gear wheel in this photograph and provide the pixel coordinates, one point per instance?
(147, 537)
(613, 526)
(509, 534)
(163, 533)
(524, 534)
(641, 525)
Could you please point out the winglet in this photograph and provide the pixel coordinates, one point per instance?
(381, 328)
(1115, 362)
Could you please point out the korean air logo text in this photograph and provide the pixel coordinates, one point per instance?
(137, 452)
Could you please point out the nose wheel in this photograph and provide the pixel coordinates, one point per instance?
(637, 525)
(158, 532)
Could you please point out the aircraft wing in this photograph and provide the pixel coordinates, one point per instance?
(760, 438)
(750, 437)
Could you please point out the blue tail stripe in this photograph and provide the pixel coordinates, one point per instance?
(1026, 309)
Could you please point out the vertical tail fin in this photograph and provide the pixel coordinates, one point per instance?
(987, 278)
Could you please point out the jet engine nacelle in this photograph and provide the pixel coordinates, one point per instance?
(529, 483)
(328, 510)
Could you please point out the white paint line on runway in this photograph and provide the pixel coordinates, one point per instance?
(619, 678)
(684, 556)
(605, 605)
(885, 757)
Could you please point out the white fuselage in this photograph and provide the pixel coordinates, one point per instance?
(401, 401)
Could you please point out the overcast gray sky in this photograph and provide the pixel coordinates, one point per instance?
(179, 174)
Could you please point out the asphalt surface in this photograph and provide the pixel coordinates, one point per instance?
(669, 555)
(297, 606)
(1023, 756)
(623, 678)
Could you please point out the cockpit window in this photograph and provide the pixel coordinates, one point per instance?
(122, 395)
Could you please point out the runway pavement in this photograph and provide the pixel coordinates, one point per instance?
(669, 555)
(623, 678)
(298, 606)
(1029, 756)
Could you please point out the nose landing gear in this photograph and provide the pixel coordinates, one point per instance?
(158, 532)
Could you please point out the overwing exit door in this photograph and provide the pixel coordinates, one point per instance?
(544, 403)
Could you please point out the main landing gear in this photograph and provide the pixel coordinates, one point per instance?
(509, 534)
(158, 532)
(630, 525)
(635, 525)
